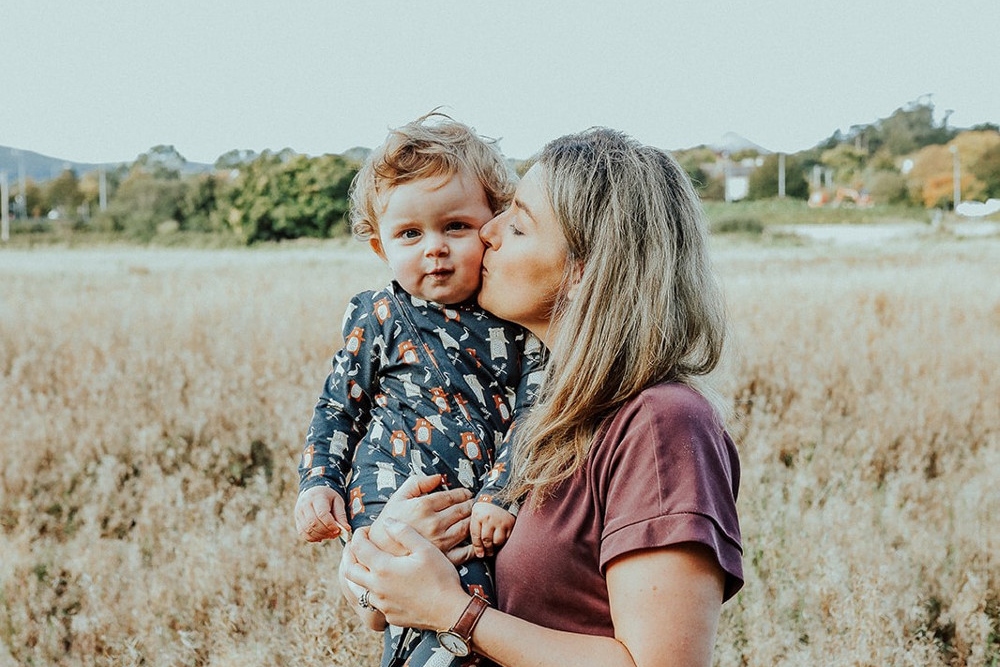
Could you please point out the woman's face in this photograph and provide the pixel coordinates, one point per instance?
(525, 259)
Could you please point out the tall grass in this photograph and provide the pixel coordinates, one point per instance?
(153, 402)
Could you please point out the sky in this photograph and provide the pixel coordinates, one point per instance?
(105, 81)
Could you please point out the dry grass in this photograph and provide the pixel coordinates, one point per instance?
(153, 405)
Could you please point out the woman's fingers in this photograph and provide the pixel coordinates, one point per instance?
(417, 485)
(460, 554)
(456, 512)
(360, 557)
(440, 516)
(442, 500)
(454, 535)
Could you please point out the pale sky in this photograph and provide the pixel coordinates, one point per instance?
(105, 81)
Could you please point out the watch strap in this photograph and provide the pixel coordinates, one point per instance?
(467, 621)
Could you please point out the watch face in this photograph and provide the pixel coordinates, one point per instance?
(453, 643)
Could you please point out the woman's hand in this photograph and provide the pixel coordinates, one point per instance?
(410, 581)
(441, 517)
(371, 617)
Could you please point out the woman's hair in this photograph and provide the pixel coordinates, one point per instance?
(431, 146)
(645, 306)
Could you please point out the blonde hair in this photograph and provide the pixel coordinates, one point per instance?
(431, 146)
(646, 307)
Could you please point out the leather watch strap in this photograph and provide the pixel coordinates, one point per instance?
(467, 622)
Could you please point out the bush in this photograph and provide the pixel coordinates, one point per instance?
(764, 179)
(889, 187)
(737, 224)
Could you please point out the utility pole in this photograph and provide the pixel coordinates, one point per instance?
(726, 177)
(102, 189)
(4, 208)
(956, 177)
(781, 175)
(22, 187)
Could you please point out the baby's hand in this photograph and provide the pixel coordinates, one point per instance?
(490, 527)
(320, 515)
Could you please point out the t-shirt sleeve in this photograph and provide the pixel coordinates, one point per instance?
(667, 473)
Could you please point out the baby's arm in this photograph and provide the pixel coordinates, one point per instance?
(490, 527)
(339, 419)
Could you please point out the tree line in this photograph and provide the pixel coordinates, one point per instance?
(907, 158)
(267, 197)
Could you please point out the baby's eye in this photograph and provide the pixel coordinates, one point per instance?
(457, 226)
(410, 234)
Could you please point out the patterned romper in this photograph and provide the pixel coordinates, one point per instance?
(419, 388)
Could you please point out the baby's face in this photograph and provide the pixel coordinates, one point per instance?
(429, 236)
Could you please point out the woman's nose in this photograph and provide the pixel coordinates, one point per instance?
(488, 232)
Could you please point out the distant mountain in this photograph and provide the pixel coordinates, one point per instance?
(735, 143)
(39, 168)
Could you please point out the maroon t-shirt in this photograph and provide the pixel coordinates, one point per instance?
(664, 472)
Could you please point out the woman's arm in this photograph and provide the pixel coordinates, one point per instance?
(665, 604)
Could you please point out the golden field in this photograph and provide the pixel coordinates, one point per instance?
(153, 402)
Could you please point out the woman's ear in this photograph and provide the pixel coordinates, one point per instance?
(576, 275)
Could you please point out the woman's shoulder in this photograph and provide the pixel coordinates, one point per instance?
(671, 402)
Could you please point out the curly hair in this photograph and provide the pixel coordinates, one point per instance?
(430, 146)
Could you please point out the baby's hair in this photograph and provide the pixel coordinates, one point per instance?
(433, 145)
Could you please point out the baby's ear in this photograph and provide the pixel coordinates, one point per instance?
(376, 245)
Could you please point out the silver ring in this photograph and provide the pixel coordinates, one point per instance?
(363, 601)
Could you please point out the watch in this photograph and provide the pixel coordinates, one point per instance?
(458, 639)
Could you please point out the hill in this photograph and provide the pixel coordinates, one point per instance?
(38, 167)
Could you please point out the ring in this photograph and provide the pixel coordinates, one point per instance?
(363, 601)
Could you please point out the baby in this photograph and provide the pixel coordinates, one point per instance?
(426, 382)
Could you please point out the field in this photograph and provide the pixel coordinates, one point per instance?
(153, 401)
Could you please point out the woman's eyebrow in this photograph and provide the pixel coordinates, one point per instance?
(524, 207)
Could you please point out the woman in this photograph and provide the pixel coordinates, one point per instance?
(627, 543)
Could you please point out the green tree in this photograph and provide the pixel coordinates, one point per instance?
(888, 187)
(235, 159)
(285, 196)
(34, 198)
(201, 197)
(987, 170)
(847, 163)
(912, 127)
(764, 179)
(161, 161)
(63, 193)
(142, 202)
